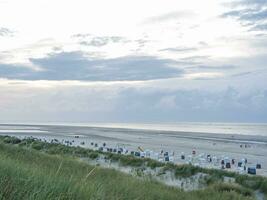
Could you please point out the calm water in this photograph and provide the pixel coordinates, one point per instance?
(224, 128)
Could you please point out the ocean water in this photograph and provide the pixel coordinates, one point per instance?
(219, 128)
(216, 128)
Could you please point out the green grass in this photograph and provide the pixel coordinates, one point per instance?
(31, 169)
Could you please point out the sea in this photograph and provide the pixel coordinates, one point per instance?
(192, 127)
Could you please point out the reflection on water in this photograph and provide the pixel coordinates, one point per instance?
(224, 128)
(21, 131)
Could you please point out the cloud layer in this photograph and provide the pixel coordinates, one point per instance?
(134, 102)
(130, 61)
(250, 13)
(5, 32)
(75, 66)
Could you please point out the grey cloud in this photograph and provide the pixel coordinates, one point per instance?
(248, 15)
(200, 67)
(14, 71)
(261, 27)
(57, 48)
(75, 66)
(255, 3)
(89, 40)
(95, 42)
(251, 14)
(5, 32)
(194, 105)
(202, 43)
(255, 16)
(149, 102)
(217, 67)
(195, 58)
(142, 42)
(249, 73)
(235, 13)
(191, 61)
(242, 74)
(81, 35)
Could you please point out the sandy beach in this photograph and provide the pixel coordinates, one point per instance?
(218, 145)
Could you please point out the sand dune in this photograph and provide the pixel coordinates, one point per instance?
(219, 145)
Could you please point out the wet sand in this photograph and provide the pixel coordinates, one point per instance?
(219, 145)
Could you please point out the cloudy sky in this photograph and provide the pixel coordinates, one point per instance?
(133, 61)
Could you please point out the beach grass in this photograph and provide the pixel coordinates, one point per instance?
(31, 169)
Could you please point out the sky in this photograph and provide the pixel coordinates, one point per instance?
(133, 61)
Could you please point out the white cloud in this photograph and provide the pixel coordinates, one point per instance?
(188, 20)
(148, 59)
(204, 75)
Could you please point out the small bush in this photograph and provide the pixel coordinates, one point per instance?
(38, 145)
(185, 170)
(263, 186)
(29, 140)
(223, 187)
(250, 182)
(12, 140)
(82, 152)
(93, 155)
(211, 179)
(153, 163)
(112, 156)
(131, 161)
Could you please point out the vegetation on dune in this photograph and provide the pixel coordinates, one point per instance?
(31, 169)
(221, 187)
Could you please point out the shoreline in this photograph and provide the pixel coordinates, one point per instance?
(216, 137)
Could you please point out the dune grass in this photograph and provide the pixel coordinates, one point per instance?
(28, 173)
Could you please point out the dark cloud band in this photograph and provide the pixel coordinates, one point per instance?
(75, 66)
